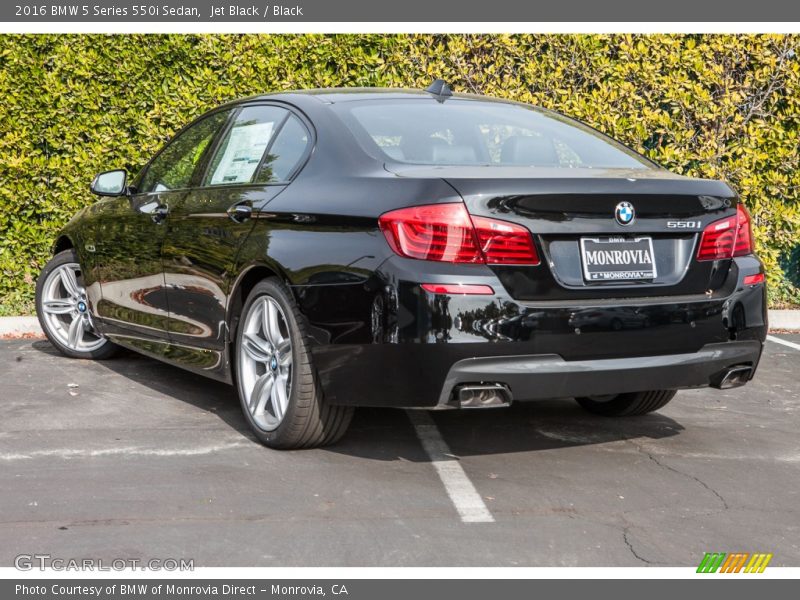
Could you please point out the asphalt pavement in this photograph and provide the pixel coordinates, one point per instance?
(130, 458)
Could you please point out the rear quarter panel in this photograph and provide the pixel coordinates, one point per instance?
(322, 237)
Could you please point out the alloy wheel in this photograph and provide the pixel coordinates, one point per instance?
(66, 310)
(265, 363)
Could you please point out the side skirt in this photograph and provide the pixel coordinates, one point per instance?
(205, 362)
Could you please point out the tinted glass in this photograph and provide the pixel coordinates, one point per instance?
(469, 132)
(242, 150)
(173, 168)
(285, 153)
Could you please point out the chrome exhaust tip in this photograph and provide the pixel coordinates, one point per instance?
(732, 377)
(482, 395)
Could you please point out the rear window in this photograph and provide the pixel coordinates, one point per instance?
(470, 132)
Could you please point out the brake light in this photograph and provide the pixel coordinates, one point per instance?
(446, 233)
(727, 237)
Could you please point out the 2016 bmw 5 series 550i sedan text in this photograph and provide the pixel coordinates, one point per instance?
(328, 249)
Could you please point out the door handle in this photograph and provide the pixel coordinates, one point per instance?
(159, 214)
(239, 213)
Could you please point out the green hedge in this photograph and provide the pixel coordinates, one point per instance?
(712, 106)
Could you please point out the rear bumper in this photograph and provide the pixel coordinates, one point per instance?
(550, 376)
(405, 347)
(425, 375)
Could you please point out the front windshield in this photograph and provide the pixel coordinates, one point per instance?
(473, 132)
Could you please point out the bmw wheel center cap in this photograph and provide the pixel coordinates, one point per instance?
(624, 213)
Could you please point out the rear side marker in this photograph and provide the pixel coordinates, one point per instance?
(457, 288)
(754, 279)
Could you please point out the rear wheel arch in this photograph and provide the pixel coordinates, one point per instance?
(241, 289)
(305, 420)
(62, 243)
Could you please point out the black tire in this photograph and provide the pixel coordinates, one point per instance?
(309, 421)
(628, 405)
(107, 350)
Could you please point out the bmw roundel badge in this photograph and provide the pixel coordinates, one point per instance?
(624, 213)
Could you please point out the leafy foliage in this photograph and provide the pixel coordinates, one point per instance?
(718, 106)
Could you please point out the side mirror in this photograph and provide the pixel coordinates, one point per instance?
(110, 183)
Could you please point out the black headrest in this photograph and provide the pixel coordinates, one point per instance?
(529, 150)
(456, 155)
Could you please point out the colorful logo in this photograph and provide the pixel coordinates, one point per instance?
(735, 562)
(624, 213)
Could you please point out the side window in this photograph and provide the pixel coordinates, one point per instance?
(287, 150)
(239, 155)
(173, 168)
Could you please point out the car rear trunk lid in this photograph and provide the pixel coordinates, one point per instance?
(577, 218)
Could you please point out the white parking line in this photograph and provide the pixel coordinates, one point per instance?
(462, 493)
(778, 340)
(68, 453)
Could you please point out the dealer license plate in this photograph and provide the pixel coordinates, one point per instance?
(618, 259)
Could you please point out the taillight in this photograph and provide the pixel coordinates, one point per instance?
(441, 232)
(446, 233)
(727, 237)
(744, 232)
(504, 243)
(718, 240)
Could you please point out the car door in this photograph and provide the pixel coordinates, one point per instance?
(127, 252)
(251, 163)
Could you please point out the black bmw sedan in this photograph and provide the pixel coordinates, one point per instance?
(328, 249)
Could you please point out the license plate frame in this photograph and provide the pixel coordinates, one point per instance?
(614, 271)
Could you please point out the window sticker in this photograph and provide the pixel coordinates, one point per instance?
(245, 147)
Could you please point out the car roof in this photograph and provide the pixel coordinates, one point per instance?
(354, 94)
